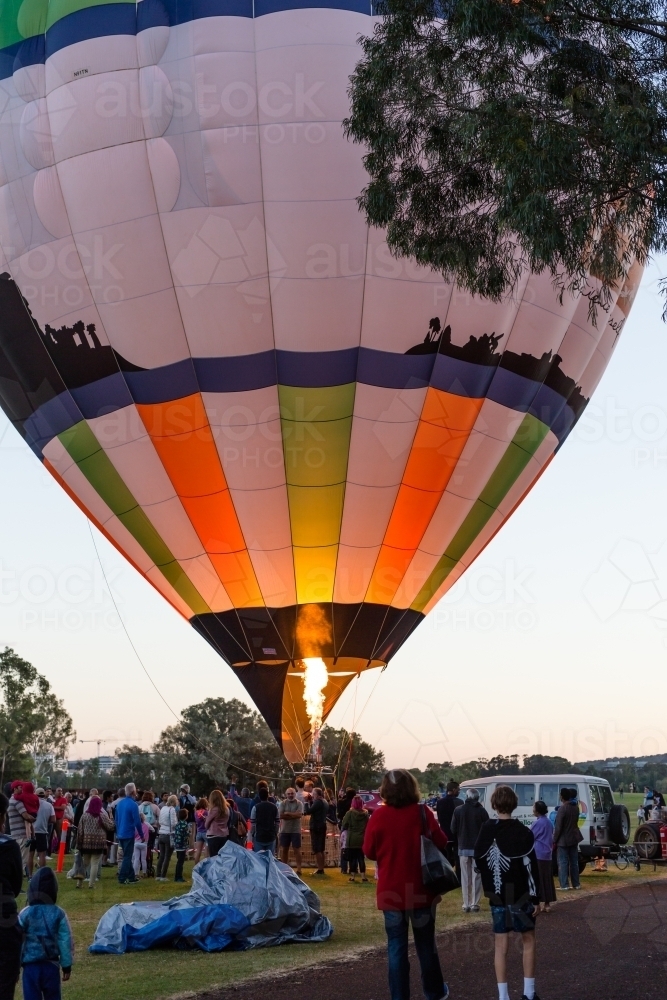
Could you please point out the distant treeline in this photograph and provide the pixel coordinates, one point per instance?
(653, 772)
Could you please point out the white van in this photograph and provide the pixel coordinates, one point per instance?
(601, 821)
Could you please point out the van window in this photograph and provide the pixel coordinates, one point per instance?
(596, 799)
(550, 793)
(525, 794)
(607, 798)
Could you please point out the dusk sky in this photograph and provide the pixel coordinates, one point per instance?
(554, 642)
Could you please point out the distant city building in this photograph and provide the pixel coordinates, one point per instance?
(106, 764)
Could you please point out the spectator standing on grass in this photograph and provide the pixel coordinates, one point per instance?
(91, 839)
(543, 833)
(188, 802)
(262, 784)
(317, 810)
(201, 812)
(345, 802)
(181, 842)
(331, 807)
(444, 808)
(11, 881)
(68, 814)
(264, 823)
(168, 821)
(236, 824)
(47, 939)
(343, 805)
(216, 823)
(59, 806)
(567, 837)
(355, 822)
(393, 839)
(300, 789)
(466, 822)
(150, 815)
(42, 825)
(127, 820)
(290, 812)
(505, 856)
(140, 856)
(19, 823)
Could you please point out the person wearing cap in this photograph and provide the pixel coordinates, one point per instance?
(46, 815)
(47, 939)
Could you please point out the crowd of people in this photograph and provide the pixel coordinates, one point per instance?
(138, 832)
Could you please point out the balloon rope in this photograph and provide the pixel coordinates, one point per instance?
(178, 718)
(343, 742)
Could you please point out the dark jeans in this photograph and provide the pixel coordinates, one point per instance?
(126, 872)
(356, 860)
(215, 845)
(180, 861)
(10, 960)
(41, 981)
(264, 845)
(568, 863)
(166, 851)
(396, 924)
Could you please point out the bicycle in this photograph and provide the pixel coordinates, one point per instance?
(627, 855)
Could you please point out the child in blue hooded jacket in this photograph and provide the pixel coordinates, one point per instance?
(47, 939)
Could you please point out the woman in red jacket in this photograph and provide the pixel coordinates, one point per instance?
(393, 840)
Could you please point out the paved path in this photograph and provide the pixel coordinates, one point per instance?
(609, 946)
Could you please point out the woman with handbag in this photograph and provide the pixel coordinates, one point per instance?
(236, 824)
(91, 838)
(393, 839)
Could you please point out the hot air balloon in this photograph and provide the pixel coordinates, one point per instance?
(299, 440)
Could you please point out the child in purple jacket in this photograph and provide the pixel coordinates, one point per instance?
(543, 832)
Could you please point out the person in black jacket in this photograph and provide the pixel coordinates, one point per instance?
(567, 837)
(444, 808)
(11, 880)
(467, 822)
(264, 822)
(505, 855)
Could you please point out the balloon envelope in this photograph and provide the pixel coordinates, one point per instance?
(299, 440)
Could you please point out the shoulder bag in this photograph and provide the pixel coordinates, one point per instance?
(438, 875)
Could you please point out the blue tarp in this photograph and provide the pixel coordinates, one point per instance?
(238, 899)
(209, 928)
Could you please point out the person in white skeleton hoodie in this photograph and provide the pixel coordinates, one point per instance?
(505, 857)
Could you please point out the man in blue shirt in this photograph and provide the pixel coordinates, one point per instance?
(126, 816)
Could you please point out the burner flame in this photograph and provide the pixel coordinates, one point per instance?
(314, 682)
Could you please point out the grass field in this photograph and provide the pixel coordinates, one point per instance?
(632, 801)
(156, 975)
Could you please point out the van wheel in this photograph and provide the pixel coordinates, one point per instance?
(582, 864)
(618, 824)
(647, 842)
